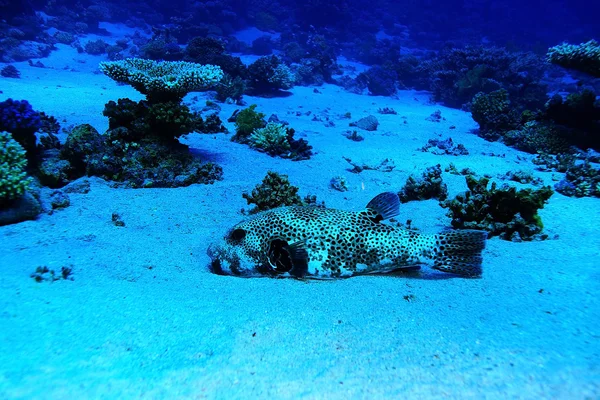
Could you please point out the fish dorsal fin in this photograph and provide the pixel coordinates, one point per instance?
(386, 205)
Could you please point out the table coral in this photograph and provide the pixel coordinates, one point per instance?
(584, 57)
(162, 81)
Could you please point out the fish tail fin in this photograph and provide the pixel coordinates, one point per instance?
(459, 252)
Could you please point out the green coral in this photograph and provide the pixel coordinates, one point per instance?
(272, 139)
(282, 77)
(584, 57)
(276, 191)
(506, 212)
(230, 88)
(13, 179)
(429, 186)
(538, 137)
(162, 81)
(493, 113)
(246, 122)
(171, 120)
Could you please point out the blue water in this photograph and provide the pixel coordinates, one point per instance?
(136, 135)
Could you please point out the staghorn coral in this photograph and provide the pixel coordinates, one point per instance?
(162, 81)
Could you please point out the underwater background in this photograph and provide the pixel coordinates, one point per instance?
(134, 134)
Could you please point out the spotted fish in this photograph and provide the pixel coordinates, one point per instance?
(316, 242)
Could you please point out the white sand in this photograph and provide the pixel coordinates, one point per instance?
(144, 318)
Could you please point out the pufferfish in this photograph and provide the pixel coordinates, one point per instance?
(321, 243)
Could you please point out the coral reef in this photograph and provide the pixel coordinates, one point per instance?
(272, 139)
(538, 137)
(354, 136)
(96, 47)
(584, 57)
(506, 212)
(561, 124)
(208, 50)
(165, 121)
(276, 139)
(429, 186)
(162, 81)
(135, 163)
(456, 75)
(269, 74)
(493, 114)
(230, 89)
(247, 121)
(22, 121)
(581, 180)
(521, 176)
(275, 191)
(140, 149)
(379, 81)
(387, 110)
(436, 116)
(13, 178)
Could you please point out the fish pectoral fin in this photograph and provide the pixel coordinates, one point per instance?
(299, 255)
(285, 257)
(386, 205)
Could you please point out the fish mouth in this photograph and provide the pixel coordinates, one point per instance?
(223, 262)
(215, 262)
(215, 267)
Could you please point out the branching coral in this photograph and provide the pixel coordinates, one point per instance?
(493, 113)
(506, 212)
(581, 180)
(428, 186)
(246, 122)
(268, 74)
(13, 180)
(272, 139)
(276, 191)
(22, 121)
(162, 81)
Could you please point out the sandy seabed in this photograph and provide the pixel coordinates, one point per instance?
(144, 317)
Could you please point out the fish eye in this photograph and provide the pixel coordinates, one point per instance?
(237, 234)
